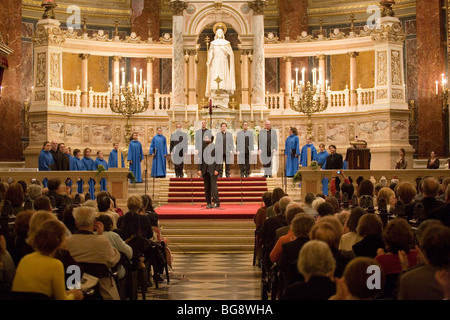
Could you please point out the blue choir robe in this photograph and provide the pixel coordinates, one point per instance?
(69, 181)
(136, 155)
(158, 148)
(77, 165)
(321, 158)
(292, 151)
(89, 165)
(44, 162)
(112, 160)
(102, 162)
(304, 155)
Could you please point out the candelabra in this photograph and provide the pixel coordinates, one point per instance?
(128, 102)
(443, 95)
(309, 99)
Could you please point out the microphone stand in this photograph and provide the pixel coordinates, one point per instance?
(145, 174)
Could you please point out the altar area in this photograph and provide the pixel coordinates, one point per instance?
(377, 113)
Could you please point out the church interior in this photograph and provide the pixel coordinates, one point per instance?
(92, 73)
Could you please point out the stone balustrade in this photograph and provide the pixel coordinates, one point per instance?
(163, 101)
(275, 101)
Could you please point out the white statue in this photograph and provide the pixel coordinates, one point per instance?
(220, 63)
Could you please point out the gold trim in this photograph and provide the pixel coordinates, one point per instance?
(362, 6)
(35, 5)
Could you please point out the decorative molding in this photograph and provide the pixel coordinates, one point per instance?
(271, 38)
(389, 34)
(397, 94)
(86, 133)
(304, 37)
(381, 68)
(133, 38)
(41, 70)
(382, 94)
(39, 96)
(44, 36)
(117, 134)
(395, 68)
(177, 7)
(55, 96)
(257, 6)
(55, 74)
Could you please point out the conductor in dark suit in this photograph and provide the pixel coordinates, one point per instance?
(178, 149)
(208, 169)
(244, 146)
(224, 150)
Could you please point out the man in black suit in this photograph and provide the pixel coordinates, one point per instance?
(267, 147)
(334, 160)
(208, 168)
(199, 141)
(244, 142)
(63, 160)
(178, 149)
(224, 150)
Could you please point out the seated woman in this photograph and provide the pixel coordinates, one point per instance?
(39, 272)
(397, 236)
(316, 263)
(388, 195)
(406, 191)
(433, 161)
(370, 228)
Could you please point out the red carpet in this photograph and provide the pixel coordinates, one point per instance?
(197, 211)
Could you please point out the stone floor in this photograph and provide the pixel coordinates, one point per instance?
(210, 277)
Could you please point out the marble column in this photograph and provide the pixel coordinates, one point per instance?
(178, 62)
(353, 84)
(258, 65)
(192, 78)
(84, 80)
(116, 72)
(431, 63)
(288, 81)
(150, 95)
(322, 71)
(11, 103)
(244, 77)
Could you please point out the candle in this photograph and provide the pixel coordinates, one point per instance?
(140, 77)
(110, 90)
(123, 77)
(314, 77)
(296, 76)
(303, 75)
(145, 87)
(134, 76)
(292, 87)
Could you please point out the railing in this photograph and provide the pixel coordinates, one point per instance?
(365, 96)
(116, 180)
(98, 99)
(163, 101)
(275, 101)
(339, 98)
(72, 98)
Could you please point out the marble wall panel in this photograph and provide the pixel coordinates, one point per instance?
(365, 69)
(98, 73)
(380, 130)
(27, 70)
(336, 132)
(166, 76)
(101, 134)
(73, 133)
(27, 29)
(364, 130)
(399, 130)
(340, 72)
(38, 131)
(56, 131)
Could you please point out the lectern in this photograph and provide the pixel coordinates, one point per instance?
(358, 158)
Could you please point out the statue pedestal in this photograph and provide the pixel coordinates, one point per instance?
(220, 98)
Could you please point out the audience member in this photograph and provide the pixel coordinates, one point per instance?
(15, 194)
(87, 247)
(283, 203)
(104, 205)
(42, 203)
(317, 265)
(406, 191)
(324, 209)
(54, 189)
(444, 184)
(388, 195)
(329, 230)
(292, 210)
(397, 236)
(68, 218)
(34, 191)
(343, 217)
(17, 244)
(40, 272)
(366, 188)
(370, 229)
(309, 198)
(315, 204)
(334, 204)
(420, 283)
(353, 284)
(351, 237)
(7, 270)
(430, 190)
(259, 218)
(443, 213)
(277, 194)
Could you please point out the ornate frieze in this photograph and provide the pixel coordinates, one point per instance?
(389, 33)
(382, 68)
(44, 36)
(41, 69)
(395, 68)
(55, 78)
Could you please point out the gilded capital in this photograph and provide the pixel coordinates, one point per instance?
(48, 36)
(84, 56)
(287, 59)
(257, 6)
(177, 7)
(353, 54)
(117, 58)
(320, 57)
(150, 59)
